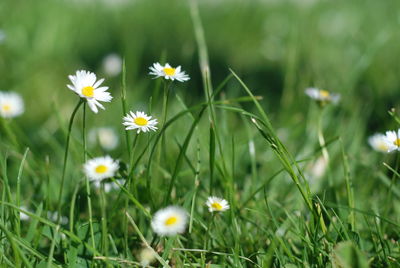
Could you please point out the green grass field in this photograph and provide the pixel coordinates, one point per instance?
(305, 188)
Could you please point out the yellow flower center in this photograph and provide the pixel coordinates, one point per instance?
(101, 169)
(324, 93)
(88, 91)
(140, 121)
(169, 71)
(171, 220)
(6, 107)
(216, 206)
(397, 142)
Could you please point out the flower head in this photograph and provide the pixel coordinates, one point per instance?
(100, 168)
(85, 85)
(392, 140)
(169, 221)
(168, 72)
(105, 136)
(217, 204)
(322, 96)
(139, 121)
(11, 104)
(378, 143)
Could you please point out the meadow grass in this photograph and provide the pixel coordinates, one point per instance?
(303, 186)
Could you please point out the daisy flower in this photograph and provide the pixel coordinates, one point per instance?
(378, 143)
(139, 121)
(169, 221)
(105, 136)
(217, 204)
(322, 96)
(392, 140)
(168, 72)
(11, 104)
(100, 168)
(85, 85)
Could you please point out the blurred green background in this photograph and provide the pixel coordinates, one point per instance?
(277, 47)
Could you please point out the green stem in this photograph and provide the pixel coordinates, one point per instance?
(71, 120)
(104, 244)
(88, 194)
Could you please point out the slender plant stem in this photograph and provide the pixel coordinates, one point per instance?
(71, 121)
(88, 194)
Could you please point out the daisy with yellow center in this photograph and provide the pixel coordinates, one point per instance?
(392, 140)
(169, 221)
(100, 168)
(11, 104)
(85, 85)
(217, 204)
(139, 121)
(168, 72)
(322, 95)
(378, 143)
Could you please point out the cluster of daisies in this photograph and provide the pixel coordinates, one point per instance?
(171, 220)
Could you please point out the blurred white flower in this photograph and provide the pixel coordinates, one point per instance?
(109, 186)
(139, 121)
(11, 104)
(168, 72)
(318, 168)
(322, 95)
(105, 136)
(112, 64)
(378, 143)
(217, 204)
(100, 168)
(392, 140)
(54, 215)
(146, 257)
(22, 215)
(169, 221)
(84, 84)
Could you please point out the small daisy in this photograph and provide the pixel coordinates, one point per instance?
(11, 104)
(392, 140)
(105, 136)
(169, 221)
(23, 216)
(84, 84)
(217, 204)
(100, 168)
(168, 72)
(378, 143)
(139, 121)
(322, 96)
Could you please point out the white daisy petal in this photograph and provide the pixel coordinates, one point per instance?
(392, 140)
(168, 72)
(100, 168)
(322, 96)
(169, 221)
(217, 204)
(139, 121)
(84, 84)
(11, 104)
(378, 143)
